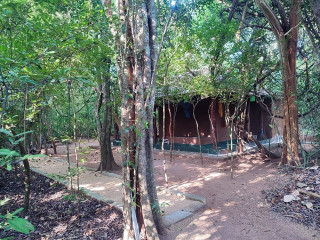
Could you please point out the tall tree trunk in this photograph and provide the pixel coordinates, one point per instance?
(138, 54)
(286, 33)
(162, 141)
(170, 130)
(194, 105)
(240, 125)
(212, 119)
(107, 161)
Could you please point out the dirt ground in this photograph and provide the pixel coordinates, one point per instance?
(235, 207)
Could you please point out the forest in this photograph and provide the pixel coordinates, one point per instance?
(143, 119)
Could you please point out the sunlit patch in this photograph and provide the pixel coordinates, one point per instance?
(203, 218)
(212, 175)
(60, 228)
(56, 196)
(257, 179)
(224, 218)
(97, 188)
(230, 204)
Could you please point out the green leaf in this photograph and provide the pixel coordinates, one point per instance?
(19, 140)
(22, 134)
(7, 238)
(9, 167)
(4, 201)
(21, 225)
(8, 153)
(2, 130)
(16, 211)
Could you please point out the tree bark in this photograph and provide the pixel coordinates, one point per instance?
(138, 54)
(107, 161)
(286, 33)
(212, 119)
(194, 105)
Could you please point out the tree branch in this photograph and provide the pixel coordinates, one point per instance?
(271, 16)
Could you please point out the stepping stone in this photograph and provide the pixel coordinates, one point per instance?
(175, 217)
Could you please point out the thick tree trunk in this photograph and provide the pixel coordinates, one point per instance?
(107, 161)
(136, 66)
(240, 126)
(286, 33)
(291, 132)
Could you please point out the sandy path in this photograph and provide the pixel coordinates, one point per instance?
(235, 208)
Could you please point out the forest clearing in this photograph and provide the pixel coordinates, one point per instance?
(235, 208)
(144, 119)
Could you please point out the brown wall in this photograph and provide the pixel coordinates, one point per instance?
(185, 128)
(260, 119)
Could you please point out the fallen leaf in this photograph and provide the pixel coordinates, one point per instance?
(295, 193)
(309, 205)
(288, 198)
(301, 185)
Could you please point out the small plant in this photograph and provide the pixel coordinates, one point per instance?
(12, 221)
(70, 197)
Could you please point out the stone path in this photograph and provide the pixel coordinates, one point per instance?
(107, 187)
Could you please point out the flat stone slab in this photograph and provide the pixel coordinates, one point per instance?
(175, 217)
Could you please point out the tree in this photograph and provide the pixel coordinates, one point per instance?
(107, 161)
(286, 31)
(137, 63)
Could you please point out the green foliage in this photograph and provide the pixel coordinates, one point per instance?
(70, 197)
(8, 156)
(44, 44)
(12, 221)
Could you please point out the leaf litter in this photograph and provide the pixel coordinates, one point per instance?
(54, 214)
(298, 196)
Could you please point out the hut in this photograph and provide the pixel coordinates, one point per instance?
(181, 129)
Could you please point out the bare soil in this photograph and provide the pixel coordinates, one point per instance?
(236, 208)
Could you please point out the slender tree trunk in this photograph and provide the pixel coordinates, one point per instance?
(54, 146)
(170, 131)
(88, 116)
(69, 82)
(163, 136)
(175, 109)
(197, 126)
(212, 119)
